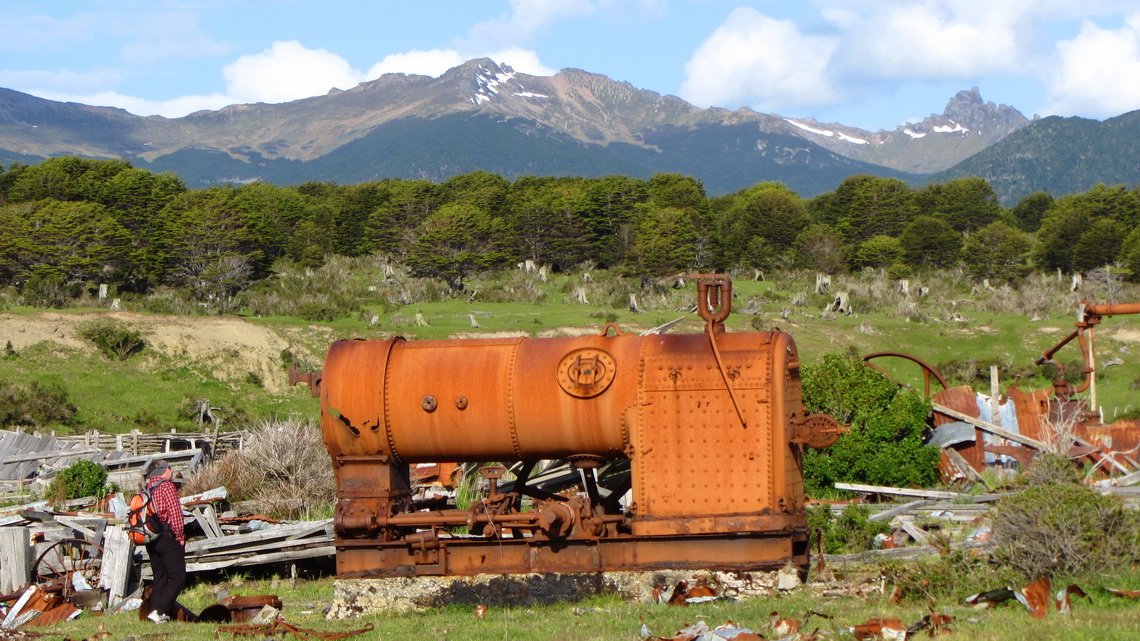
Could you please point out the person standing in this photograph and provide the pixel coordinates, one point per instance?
(168, 551)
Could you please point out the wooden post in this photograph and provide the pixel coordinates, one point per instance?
(117, 563)
(15, 559)
(995, 396)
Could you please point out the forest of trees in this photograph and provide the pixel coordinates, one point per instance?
(70, 223)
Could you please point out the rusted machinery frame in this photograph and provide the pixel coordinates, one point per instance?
(675, 406)
(769, 550)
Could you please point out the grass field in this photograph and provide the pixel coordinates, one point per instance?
(957, 329)
(1102, 616)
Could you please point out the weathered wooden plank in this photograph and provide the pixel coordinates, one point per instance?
(239, 540)
(987, 426)
(259, 559)
(15, 559)
(215, 494)
(44, 456)
(207, 519)
(115, 572)
(919, 535)
(900, 509)
(74, 524)
(899, 491)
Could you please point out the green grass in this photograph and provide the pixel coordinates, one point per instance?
(147, 392)
(151, 392)
(1102, 616)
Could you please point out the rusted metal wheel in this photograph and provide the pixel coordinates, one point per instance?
(928, 370)
(66, 564)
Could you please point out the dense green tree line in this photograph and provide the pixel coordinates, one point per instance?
(71, 220)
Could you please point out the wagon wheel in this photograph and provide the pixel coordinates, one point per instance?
(54, 570)
(928, 370)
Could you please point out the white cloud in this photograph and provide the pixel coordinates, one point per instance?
(287, 71)
(757, 60)
(435, 62)
(428, 63)
(521, 60)
(1097, 72)
(930, 40)
(141, 107)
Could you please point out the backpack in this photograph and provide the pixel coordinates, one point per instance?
(143, 524)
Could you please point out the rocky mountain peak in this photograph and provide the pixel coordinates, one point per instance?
(967, 114)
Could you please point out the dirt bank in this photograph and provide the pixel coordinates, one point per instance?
(230, 347)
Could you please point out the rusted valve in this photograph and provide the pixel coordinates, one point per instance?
(815, 430)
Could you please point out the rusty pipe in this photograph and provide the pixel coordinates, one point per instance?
(1111, 309)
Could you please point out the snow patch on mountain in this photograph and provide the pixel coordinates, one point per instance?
(826, 132)
(947, 129)
(857, 141)
(488, 83)
(821, 132)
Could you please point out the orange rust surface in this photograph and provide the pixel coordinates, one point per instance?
(963, 400)
(699, 472)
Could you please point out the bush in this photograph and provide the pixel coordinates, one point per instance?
(49, 291)
(955, 575)
(852, 531)
(35, 404)
(1055, 526)
(283, 468)
(82, 478)
(884, 445)
(114, 339)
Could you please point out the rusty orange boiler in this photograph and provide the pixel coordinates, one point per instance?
(712, 425)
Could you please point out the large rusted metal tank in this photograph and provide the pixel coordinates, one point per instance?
(712, 425)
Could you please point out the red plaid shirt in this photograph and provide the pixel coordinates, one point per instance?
(166, 506)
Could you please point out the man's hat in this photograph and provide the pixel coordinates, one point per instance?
(158, 468)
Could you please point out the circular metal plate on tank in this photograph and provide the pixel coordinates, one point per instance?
(586, 372)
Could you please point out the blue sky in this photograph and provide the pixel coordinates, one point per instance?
(873, 64)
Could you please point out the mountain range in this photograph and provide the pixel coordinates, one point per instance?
(485, 116)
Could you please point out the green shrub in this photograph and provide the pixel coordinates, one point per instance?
(49, 291)
(850, 532)
(35, 404)
(81, 478)
(114, 339)
(1058, 527)
(955, 576)
(884, 445)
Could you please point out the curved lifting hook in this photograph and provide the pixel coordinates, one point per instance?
(714, 297)
(714, 304)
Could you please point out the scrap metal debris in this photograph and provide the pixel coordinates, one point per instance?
(932, 623)
(885, 629)
(1036, 597)
(684, 595)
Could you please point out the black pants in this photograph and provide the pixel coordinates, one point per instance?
(168, 562)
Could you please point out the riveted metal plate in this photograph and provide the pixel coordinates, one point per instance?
(702, 460)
